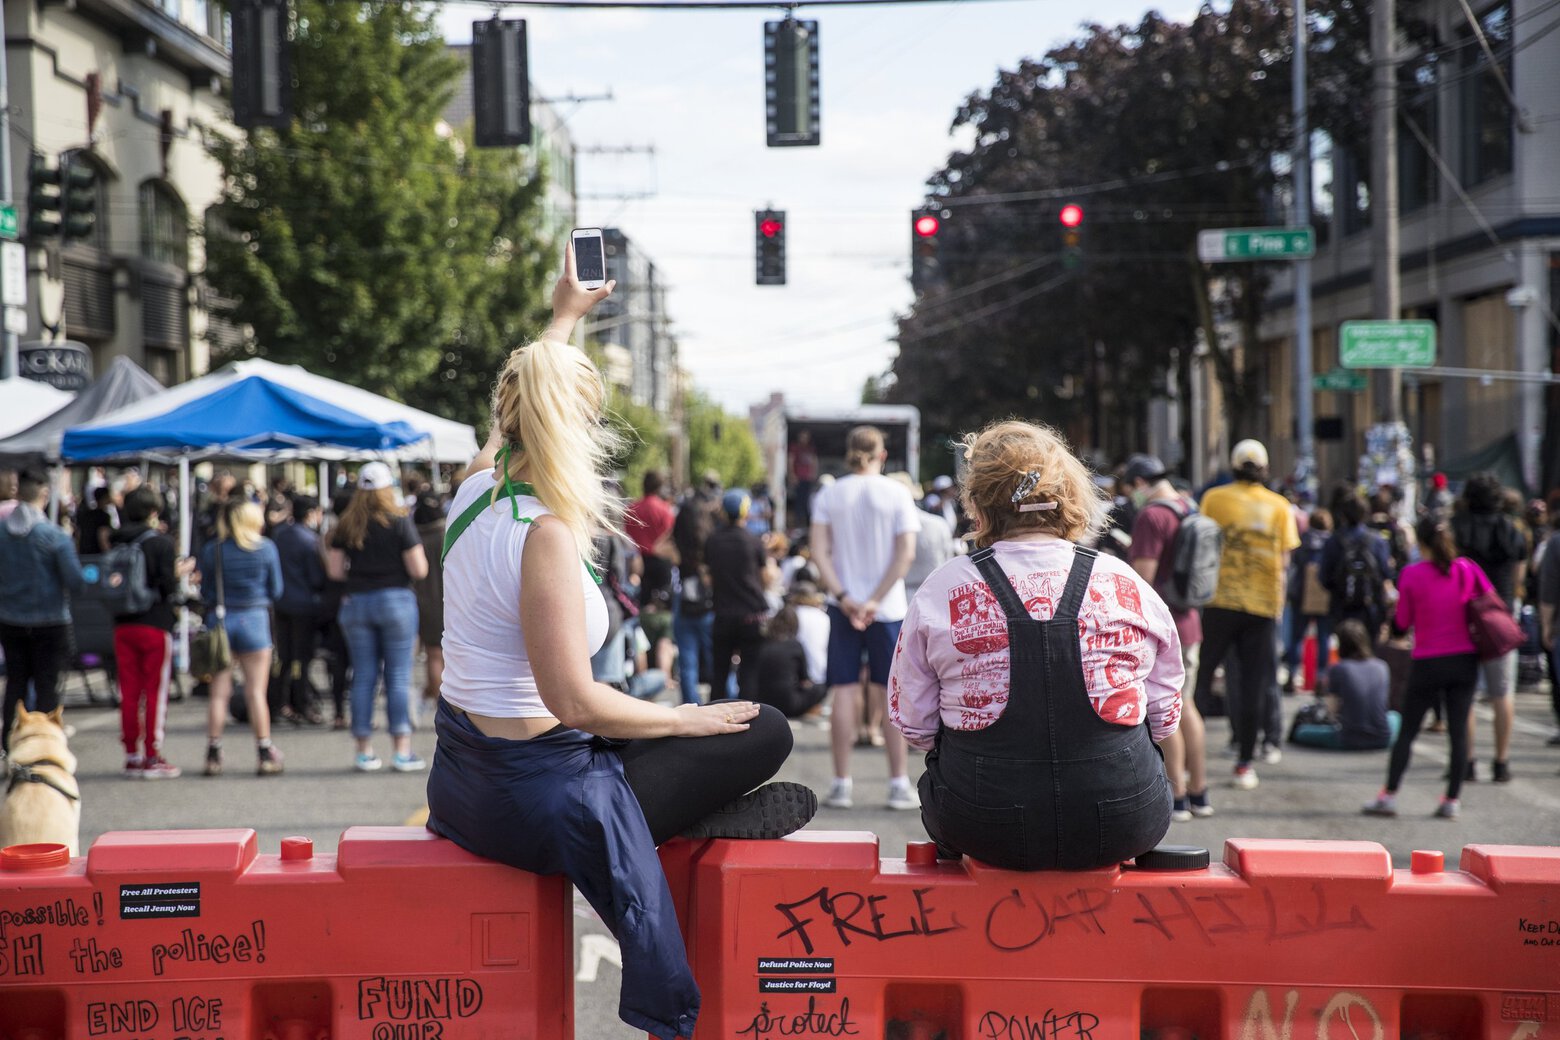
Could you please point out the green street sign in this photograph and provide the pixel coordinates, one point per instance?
(1226, 245)
(1339, 380)
(8, 221)
(1386, 344)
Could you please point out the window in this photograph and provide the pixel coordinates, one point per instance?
(1418, 94)
(1484, 109)
(165, 229)
(1322, 211)
(99, 239)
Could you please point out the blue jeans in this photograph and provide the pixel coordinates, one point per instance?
(695, 637)
(381, 627)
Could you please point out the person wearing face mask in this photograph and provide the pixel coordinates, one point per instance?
(1160, 511)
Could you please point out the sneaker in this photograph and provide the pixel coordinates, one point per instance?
(159, 768)
(268, 760)
(1272, 754)
(1381, 805)
(1501, 771)
(407, 763)
(1181, 812)
(213, 760)
(134, 765)
(1447, 810)
(772, 811)
(1553, 741)
(902, 796)
(1199, 804)
(1245, 778)
(839, 794)
(367, 762)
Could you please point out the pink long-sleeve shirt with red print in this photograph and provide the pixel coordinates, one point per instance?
(952, 664)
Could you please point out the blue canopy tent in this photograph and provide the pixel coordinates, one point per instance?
(250, 418)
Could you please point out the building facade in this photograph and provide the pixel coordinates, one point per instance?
(1479, 211)
(130, 88)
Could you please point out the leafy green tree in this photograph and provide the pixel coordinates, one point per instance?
(645, 439)
(1158, 129)
(359, 241)
(720, 441)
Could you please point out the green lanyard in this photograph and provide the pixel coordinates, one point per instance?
(510, 490)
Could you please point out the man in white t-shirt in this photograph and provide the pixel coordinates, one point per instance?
(863, 539)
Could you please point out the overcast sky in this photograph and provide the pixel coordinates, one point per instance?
(690, 84)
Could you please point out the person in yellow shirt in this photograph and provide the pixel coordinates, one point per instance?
(1259, 534)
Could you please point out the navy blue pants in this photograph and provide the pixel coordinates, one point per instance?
(594, 810)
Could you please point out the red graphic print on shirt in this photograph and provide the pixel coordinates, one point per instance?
(976, 620)
(1127, 595)
(1122, 702)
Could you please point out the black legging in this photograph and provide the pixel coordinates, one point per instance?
(296, 637)
(34, 655)
(1250, 636)
(1449, 681)
(743, 636)
(681, 780)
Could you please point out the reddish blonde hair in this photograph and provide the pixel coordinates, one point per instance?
(1000, 457)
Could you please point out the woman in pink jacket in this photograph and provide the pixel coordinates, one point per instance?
(1433, 598)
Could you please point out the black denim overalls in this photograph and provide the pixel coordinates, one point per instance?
(1049, 785)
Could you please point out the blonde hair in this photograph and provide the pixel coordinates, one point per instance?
(1000, 459)
(241, 521)
(380, 505)
(862, 445)
(549, 405)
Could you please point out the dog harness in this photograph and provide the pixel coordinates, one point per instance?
(28, 774)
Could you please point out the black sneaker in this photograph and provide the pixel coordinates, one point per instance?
(772, 811)
(1502, 772)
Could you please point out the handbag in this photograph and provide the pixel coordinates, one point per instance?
(210, 651)
(1495, 633)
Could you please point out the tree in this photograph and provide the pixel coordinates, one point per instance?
(720, 441)
(645, 439)
(1157, 129)
(359, 241)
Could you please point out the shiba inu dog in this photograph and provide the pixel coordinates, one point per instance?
(42, 802)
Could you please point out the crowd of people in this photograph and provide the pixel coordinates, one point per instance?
(285, 580)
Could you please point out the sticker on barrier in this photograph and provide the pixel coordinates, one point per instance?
(192, 935)
(1283, 940)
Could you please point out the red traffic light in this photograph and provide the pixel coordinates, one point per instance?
(769, 227)
(1071, 215)
(926, 225)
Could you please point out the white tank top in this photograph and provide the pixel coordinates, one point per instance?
(486, 670)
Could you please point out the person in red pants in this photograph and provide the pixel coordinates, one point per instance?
(143, 643)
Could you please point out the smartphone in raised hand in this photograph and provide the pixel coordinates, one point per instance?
(590, 258)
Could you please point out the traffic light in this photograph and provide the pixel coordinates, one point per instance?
(791, 83)
(926, 225)
(1071, 219)
(501, 83)
(78, 197)
(45, 199)
(769, 239)
(262, 72)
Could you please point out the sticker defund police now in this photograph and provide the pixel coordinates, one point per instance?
(802, 974)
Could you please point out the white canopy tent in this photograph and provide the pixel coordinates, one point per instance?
(25, 401)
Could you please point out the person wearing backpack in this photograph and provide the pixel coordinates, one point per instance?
(1490, 538)
(1259, 535)
(143, 630)
(1158, 546)
(39, 571)
(1357, 570)
(1309, 601)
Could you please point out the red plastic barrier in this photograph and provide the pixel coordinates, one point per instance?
(191, 935)
(814, 936)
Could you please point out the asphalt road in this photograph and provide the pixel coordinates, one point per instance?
(1310, 794)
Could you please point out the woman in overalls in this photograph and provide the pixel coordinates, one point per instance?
(539, 766)
(1037, 675)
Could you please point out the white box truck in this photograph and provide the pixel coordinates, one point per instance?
(779, 427)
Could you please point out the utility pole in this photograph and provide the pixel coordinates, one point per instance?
(1386, 291)
(9, 362)
(1389, 450)
(1305, 432)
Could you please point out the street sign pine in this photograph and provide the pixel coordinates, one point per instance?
(1229, 245)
